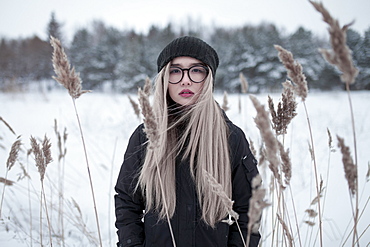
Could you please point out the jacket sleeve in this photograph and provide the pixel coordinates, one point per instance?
(129, 204)
(244, 168)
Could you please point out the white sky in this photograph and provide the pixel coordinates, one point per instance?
(25, 18)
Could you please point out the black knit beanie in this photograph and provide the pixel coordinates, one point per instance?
(189, 47)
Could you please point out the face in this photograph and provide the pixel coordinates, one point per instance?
(186, 92)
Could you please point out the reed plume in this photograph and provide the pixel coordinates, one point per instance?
(42, 156)
(286, 111)
(13, 155)
(286, 165)
(263, 123)
(66, 75)
(311, 213)
(147, 86)
(150, 121)
(256, 206)
(295, 72)
(243, 83)
(217, 188)
(6, 181)
(340, 55)
(225, 102)
(135, 106)
(350, 169)
(12, 158)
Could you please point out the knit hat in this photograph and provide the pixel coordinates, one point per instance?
(189, 47)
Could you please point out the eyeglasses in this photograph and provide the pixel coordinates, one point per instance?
(196, 74)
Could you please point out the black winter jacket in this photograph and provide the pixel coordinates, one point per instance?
(189, 230)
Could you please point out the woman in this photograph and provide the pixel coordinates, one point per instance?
(197, 141)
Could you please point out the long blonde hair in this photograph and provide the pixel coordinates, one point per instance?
(204, 141)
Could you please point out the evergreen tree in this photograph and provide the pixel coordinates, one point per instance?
(54, 28)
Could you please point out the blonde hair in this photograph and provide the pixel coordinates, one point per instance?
(204, 141)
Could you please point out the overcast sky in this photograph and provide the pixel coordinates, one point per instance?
(25, 18)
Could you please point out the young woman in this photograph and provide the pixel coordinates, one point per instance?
(197, 141)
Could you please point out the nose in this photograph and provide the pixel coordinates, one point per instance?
(186, 79)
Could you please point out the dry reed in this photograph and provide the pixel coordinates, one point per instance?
(311, 213)
(286, 230)
(72, 82)
(13, 155)
(62, 150)
(66, 75)
(340, 56)
(286, 111)
(135, 106)
(243, 83)
(225, 102)
(217, 188)
(7, 125)
(295, 72)
(263, 123)
(6, 181)
(151, 130)
(256, 206)
(150, 121)
(286, 164)
(12, 158)
(42, 156)
(147, 86)
(350, 169)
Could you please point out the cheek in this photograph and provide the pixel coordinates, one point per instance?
(171, 91)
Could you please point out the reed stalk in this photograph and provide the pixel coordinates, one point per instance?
(295, 73)
(42, 159)
(151, 130)
(340, 56)
(12, 158)
(72, 82)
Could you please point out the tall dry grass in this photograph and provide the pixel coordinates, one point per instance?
(340, 56)
(13, 156)
(272, 151)
(42, 156)
(279, 161)
(71, 80)
(151, 130)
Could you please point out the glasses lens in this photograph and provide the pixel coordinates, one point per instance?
(175, 75)
(198, 73)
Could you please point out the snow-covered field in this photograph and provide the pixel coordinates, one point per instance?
(108, 121)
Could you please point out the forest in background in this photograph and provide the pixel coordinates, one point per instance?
(119, 60)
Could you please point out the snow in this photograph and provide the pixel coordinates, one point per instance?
(108, 120)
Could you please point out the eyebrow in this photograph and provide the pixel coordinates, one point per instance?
(192, 64)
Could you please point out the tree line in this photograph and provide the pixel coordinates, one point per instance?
(120, 60)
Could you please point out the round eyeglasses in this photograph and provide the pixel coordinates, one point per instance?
(196, 74)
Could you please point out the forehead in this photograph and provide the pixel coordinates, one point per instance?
(185, 61)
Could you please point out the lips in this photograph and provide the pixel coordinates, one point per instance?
(186, 93)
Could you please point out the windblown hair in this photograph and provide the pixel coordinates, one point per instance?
(203, 141)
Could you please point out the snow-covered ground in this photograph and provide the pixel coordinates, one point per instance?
(108, 120)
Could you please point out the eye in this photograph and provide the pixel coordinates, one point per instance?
(175, 71)
(198, 70)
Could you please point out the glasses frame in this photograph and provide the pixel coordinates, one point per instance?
(188, 69)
